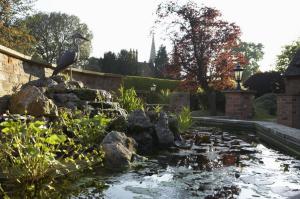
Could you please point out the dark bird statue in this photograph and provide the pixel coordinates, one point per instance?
(70, 56)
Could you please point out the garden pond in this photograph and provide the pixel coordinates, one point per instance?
(216, 165)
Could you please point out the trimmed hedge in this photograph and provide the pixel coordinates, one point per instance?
(144, 83)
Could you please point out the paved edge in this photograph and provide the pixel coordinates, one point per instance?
(279, 136)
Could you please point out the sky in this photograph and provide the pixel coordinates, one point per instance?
(126, 24)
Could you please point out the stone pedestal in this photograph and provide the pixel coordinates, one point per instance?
(239, 104)
(288, 110)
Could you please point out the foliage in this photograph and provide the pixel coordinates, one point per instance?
(165, 96)
(34, 152)
(85, 128)
(203, 44)
(13, 9)
(125, 63)
(158, 108)
(267, 104)
(129, 100)
(286, 56)
(17, 38)
(144, 83)
(53, 33)
(267, 82)
(28, 150)
(184, 119)
(161, 61)
(253, 53)
(13, 35)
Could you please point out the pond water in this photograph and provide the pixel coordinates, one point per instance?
(218, 165)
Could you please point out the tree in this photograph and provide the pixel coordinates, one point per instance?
(286, 56)
(204, 43)
(253, 53)
(12, 35)
(125, 63)
(53, 33)
(10, 10)
(267, 82)
(161, 61)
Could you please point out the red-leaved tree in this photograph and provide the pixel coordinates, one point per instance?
(203, 44)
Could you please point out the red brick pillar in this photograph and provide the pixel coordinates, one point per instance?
(288, 110)
(239, 104)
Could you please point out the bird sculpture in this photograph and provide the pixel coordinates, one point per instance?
(69, 57)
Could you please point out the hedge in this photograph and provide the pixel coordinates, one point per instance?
(144, 83)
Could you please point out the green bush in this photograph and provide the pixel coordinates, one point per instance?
(265, 106)
(129, 100)
(144, 83)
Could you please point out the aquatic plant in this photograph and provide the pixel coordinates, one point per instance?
(184, 119)
(129, 100)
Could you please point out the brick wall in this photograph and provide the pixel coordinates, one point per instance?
(288, 110)
(17, 69)
(239, 104)
(292, 85)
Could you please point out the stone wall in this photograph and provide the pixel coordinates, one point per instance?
(239, 104)
(288, 110)
(17, 69)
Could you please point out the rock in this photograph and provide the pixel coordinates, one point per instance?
(174, 128)
(146, 141)
(118, 124)
(105, 95)
(59, 78)
(139, 121)
(105, 105)
(43, 82)
(65, 97)
(118, 149)
(76, 84)
(153, 116)
(164, 135)
(61, 87)
(88, 94)
(31, 100)
(110, 112)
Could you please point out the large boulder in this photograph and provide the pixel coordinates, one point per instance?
(118, 124)
(32, 101)
(141, 130)
(118, 149)
(164, 135)
(139, 121)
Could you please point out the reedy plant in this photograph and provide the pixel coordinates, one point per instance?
(129, 100)
(184, 119)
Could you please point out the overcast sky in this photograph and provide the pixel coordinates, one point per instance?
(125, 24)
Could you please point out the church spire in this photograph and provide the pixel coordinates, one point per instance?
(153, 51)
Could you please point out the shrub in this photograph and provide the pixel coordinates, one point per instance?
(266, 104)
(144, 83)
(129, 100)
(33, 152)
(184, 119)
(267, 82)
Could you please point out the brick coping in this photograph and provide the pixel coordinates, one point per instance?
(283, 137)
